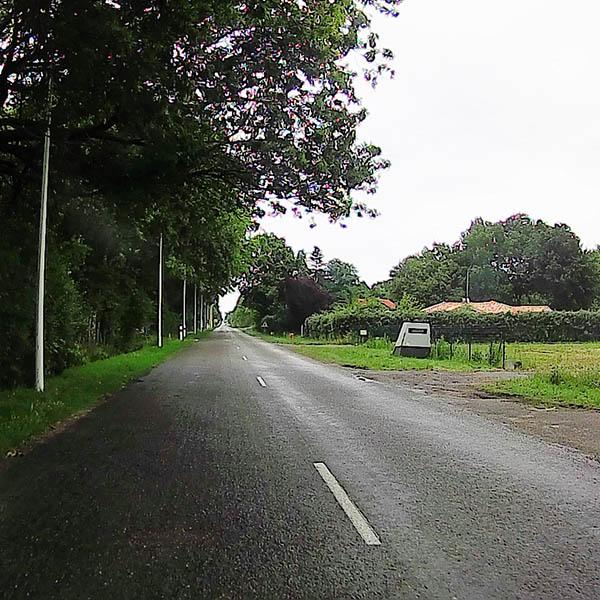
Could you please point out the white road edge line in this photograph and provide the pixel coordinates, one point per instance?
(261, 381)
(356, 517)
(244, 358)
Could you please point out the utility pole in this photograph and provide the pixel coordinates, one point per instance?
(184, 323)
(195, 308)
(39, 338)
(160, 291)
(467, 285)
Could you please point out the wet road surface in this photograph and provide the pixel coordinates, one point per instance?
(242, 470)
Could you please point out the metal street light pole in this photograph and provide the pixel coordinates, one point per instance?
(195, 308)
(184, 323)
(160, 291)
(201, 312)
(39, 338)
(468, 285)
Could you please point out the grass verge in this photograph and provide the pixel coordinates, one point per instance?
(554, 388)
(566, 374)
(25, 414)
(296, 340)
(573, 357)
(375, 354)
(379, 359)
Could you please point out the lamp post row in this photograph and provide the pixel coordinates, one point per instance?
(41, 280)
(39, 339)
(203, 319)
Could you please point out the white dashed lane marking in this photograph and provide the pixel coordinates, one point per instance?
(356, 517)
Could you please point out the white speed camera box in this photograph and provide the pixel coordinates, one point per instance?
(414, 340)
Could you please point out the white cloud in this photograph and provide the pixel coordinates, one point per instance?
(494, 110)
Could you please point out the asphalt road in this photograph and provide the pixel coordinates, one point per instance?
(199, 481)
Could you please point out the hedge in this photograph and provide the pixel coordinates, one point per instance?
(460, 325)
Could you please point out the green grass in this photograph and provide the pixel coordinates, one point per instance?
(563, 374)
(25, 414)
(295, 340)
(375, 354)
(555, 388)
(571, 356)
(379, 359)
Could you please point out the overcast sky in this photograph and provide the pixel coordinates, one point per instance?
(494, 109)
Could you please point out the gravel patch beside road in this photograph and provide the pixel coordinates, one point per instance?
(573, 427)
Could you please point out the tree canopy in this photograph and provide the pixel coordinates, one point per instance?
(253, 95)
(519, 261)
(189, 119)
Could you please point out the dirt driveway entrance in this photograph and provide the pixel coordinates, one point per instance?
(574, 427)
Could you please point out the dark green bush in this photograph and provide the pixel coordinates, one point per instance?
(243, 316)
(461, 325)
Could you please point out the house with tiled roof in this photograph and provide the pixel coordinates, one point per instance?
(385, 301)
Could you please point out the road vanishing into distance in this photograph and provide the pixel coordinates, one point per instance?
(240, 469)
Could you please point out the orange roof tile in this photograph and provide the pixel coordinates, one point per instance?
(385, 301)
(389, 303)
(489, 307)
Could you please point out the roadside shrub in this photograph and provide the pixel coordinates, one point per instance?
(460, 325)
(242, 316)
(477, 356)
(556, 376)
(441, 350)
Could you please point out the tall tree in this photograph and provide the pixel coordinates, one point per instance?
(271, 262)
(516, 261)
(252, 95)
(316, 260)
(303, 298)
(342, 281)
(276, 284)
(429, 277)
(186, 118)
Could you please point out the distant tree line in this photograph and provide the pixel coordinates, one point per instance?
(189, 119)
(516, 261)
(281, 288)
